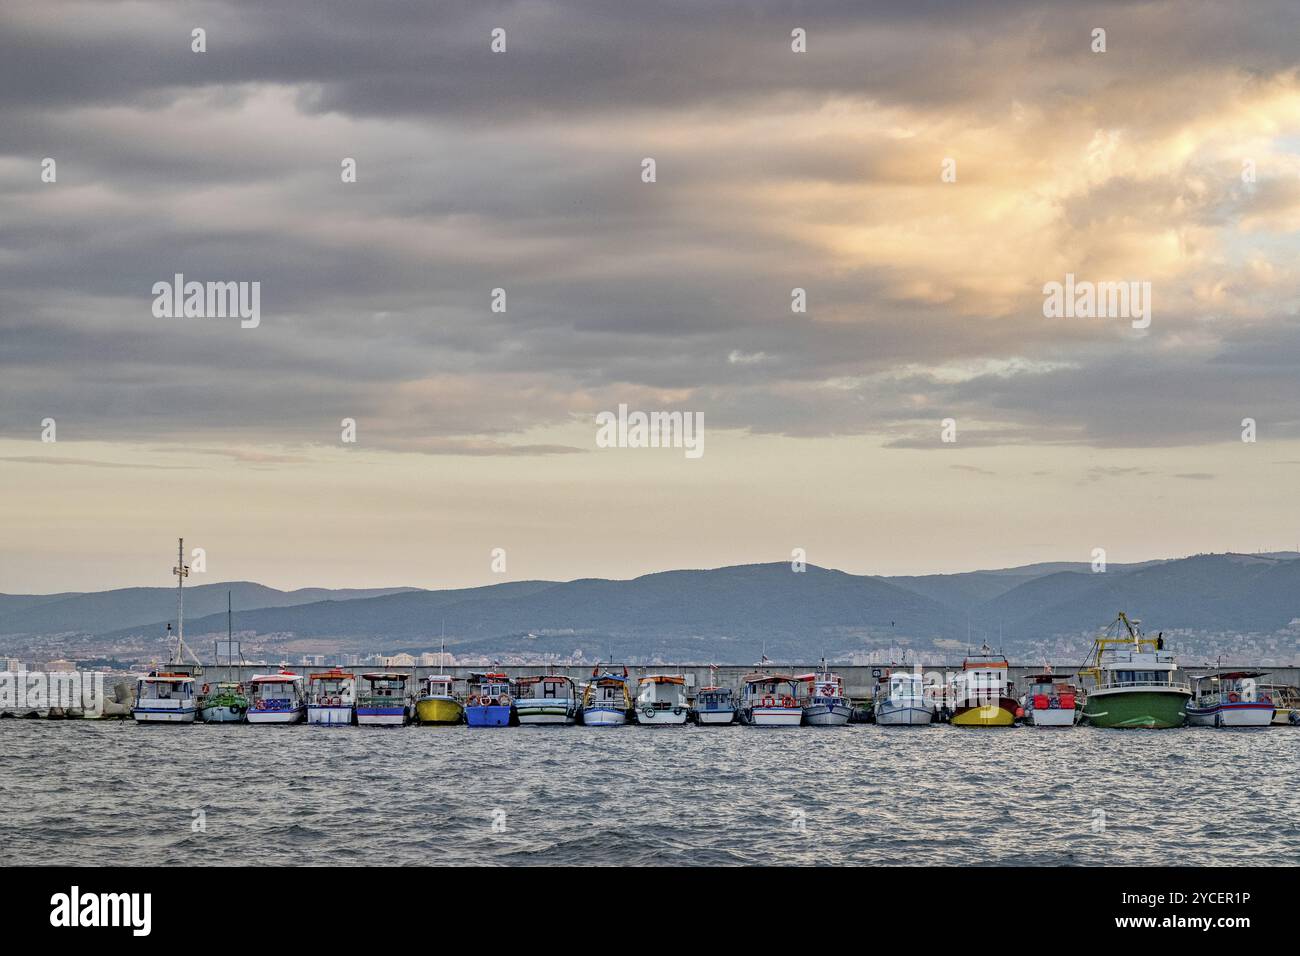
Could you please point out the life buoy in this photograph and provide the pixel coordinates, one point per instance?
(205, 688)
(768, 702)
(505, 700)
(787, 701)
(1233, 697)
(649, 712)
(261, 705)
(677, 711)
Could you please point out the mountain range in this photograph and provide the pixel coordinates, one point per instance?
(731, 614)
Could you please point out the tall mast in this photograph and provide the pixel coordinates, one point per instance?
(181, 571)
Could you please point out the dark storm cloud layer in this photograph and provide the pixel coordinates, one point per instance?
(521, 171)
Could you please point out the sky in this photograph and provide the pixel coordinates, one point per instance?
(920, 170)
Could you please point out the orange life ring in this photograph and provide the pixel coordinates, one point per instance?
(787, 701)
(205, 688)
(261, 705)
(1233, 697)
(767, 702)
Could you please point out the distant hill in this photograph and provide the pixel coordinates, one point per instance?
(106, 611)
(727, 615)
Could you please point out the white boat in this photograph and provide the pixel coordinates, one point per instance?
(1229, 699)
(548, 699)
(1051, 701)
(715, 706)
(661, 699)
(384, 703)
(276, 698)
(823, 699)
(605, 701)
(163, 698)
(769, 700)
(902, 702)
(331, 697)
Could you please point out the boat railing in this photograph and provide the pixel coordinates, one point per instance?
(1175, 685)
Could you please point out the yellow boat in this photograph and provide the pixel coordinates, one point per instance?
(438, 703)
(980, 693)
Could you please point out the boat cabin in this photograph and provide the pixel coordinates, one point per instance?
(905, 686)
(489, 688)
(157, 686)
(608, 690)
(385, 687)
(548, 687)
(661, 691)
(781, 689)
(1231, 687)
(715, 699)
(331, 685)
(438, 685)
(283, 689)
(983, 677)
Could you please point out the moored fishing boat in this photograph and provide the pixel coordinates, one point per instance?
(384, 702)
(438, 702)
(823, 699)
(489, 703)
(164, 698)
(223, 702)
(661, 699)
(605, 700)
(770, 700)
(546, 699)
(981, 694)
(1133, 681)
(901, 701)
(331, 696)
(1286, 704)
(1051, 701)
(714, 706)
(1230, 699)
(276, 698)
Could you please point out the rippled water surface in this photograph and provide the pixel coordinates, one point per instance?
(91, 792)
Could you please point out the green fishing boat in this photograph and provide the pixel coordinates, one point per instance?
(1133, 680)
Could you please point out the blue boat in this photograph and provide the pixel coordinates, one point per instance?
(715, 705)
(489, 703)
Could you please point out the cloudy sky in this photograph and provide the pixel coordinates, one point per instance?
(1172, 158)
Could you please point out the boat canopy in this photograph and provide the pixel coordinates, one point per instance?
(285, 677)
(386, 675)
(607, 678)
(662, 679)
(334, 674)
(765, 678)
(169, 679)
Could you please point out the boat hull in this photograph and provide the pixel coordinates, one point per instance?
(890, 714)
(381, 716)
(163, 715)
(439, 710)
(222, 714)
(1000, 714)
(651, 716)
(604, 717)
(828, 713)
(545, 710)
(715, 718)
(331, 716)
(292, 715)
(493, 715)
(772, 716)
(1142, 708)
(1231, 715)
(1051, 717)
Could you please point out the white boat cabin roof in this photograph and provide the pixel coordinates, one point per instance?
(284, 678)
(168, 679)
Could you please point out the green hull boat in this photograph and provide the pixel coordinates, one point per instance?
(1136, 707)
